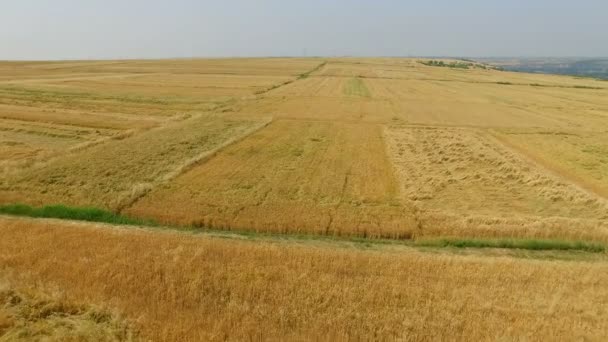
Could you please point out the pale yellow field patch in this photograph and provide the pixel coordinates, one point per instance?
(463, 182)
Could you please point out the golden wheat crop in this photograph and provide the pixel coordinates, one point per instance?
(180, 287)
(298, 177)
(28, 313)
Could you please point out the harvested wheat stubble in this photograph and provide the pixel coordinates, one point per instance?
(488, 104)
(321, 98)
(305, 177)
(179, 287)
(464, 183)
(330, 87)
(40, 72)
(31, 314)
(109, 174)
(338, 109)
(201, 66)
(74, 118)
(25, 140)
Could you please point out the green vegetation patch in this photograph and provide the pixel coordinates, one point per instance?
(536, 245)
(72, 213)
(308, 73)
(356, 87)
(454, 65)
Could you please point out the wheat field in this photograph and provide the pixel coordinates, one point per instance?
(389, 148)
(301, 199)
(290, 177)
(183, 287)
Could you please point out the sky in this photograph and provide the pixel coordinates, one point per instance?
(115, 29)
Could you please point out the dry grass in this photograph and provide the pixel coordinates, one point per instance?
(305, 177)
(29, 314)
(179, 287)
(463, 183)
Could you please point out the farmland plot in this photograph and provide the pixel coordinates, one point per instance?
(335, 99)
(76, 118)
(303, 177)
(52, 97)
(217, 66)
(212, 87)
(26, 140)
(56, 110)
(111, 174)
(36, 71)
(580, 156)
(355, 87)
(446, 103)
(465, 184)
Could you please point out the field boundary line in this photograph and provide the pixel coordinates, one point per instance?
(138, 191)
(298, 77)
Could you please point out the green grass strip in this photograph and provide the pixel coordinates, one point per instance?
(535, 245)
(356, 87)
(308, 73)
(72, 213)
(103, 216)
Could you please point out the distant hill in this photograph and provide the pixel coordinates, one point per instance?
(585, 67)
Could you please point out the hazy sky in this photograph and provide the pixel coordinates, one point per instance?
(83, 29)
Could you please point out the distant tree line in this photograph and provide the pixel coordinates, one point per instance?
(455, 65)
